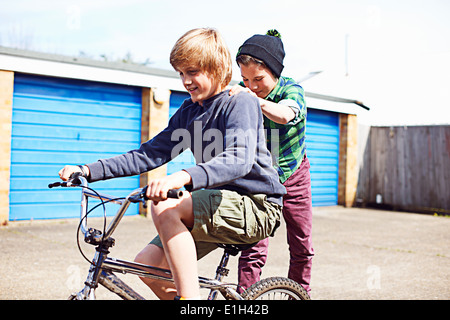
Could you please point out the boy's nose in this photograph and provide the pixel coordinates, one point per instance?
(187, 80)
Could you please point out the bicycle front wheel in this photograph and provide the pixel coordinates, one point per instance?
(276, 288)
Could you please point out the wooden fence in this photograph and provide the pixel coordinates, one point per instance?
(406, 168)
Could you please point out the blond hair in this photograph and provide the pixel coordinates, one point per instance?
(206, 49)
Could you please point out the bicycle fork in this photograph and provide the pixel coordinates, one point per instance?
(91, 283)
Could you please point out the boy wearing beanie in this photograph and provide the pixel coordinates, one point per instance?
(260, 59)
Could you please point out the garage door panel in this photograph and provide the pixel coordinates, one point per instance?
(76, 89)
(55, 119)
(325, 182)
(41, 183)
(50, 172)
(47, 210)
(22, 197)
(318, 160)
(82, 107)
(323, 149)
(63, 196)
(34, 170)
(77, 133)
(66, 145)
(59, 158)
(56, 211)
(323, 200)
(322, 138)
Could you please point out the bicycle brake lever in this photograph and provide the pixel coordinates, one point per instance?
(75, 178)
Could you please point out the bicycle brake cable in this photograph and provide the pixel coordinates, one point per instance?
(104, 220)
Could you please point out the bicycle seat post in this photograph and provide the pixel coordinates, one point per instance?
(221, 272)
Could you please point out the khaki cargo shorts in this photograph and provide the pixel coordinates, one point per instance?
(222, 216)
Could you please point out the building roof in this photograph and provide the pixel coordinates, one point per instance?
(32, 62)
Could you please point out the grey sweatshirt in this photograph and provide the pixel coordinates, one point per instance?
(226, 136)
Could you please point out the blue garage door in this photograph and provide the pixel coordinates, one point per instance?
(59, 121)
(186, 159)
(322, 148)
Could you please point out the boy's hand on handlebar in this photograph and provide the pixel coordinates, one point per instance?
(157, 189)
(68, 170)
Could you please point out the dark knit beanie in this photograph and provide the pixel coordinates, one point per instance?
(268, 48)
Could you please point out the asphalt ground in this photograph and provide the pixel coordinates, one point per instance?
(360, 254)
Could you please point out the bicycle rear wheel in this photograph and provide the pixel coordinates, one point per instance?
(276, 288)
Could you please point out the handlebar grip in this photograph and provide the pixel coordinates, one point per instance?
(73, 180)
(172, 193)
(57, 184)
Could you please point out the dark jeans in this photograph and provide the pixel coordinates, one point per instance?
(297, 212)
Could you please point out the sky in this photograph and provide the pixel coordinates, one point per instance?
(392, 55)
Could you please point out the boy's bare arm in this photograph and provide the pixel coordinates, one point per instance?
(276, 112)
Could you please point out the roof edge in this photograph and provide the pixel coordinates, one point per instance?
(88, 62)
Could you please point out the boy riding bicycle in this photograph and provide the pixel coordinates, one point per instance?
(235, 197)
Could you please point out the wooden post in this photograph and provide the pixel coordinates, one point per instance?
(6, 98)
(348, 151)
(155, 116)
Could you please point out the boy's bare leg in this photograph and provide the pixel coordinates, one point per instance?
(171, 218)
(153, 255)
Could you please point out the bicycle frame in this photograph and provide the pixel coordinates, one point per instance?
(102, 267)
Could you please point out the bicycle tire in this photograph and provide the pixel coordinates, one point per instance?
(276, 288)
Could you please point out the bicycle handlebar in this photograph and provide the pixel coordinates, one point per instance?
(142, 196)
(139, 195)
(75, 181)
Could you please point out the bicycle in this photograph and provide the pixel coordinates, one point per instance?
(103, 268)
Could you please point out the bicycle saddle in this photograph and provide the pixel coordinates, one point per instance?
(234, 249)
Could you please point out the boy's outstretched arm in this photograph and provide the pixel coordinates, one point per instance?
(157, 188)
